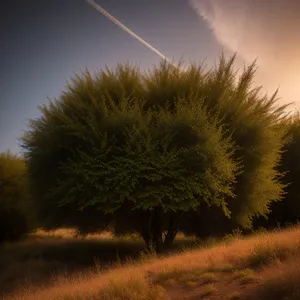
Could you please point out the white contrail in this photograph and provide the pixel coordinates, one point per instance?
(109, 16)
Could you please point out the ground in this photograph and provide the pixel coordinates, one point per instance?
(259, 267)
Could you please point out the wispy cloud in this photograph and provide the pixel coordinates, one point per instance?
(266, 30)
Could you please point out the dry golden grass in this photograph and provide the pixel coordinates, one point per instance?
(270, 260)
(235, 296)
(281, 280)
(69, 233)
(208, 289)
(245, 275)
(45, 255)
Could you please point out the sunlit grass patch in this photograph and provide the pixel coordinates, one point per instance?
(147, 255)
(225, 268)
(175, 274)
(191, 283)
(245, 275)
(132, 288)
(235, 296)
(208, 277)
(170, 282)
(280, 281)
(208, 289)
(207, 243)
(236, 234)
(187, 278)
(75, 297)
(184, 277)
(264, 253)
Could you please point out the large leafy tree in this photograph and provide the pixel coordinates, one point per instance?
(16, 211)
(109, 146)
(147, 151)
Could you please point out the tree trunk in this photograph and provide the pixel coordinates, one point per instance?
(172, 230)
(146, 233)
(169, 239)
(157, 229)
(153, 233)
(146, 239)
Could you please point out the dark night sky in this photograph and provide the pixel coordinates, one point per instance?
(44, 42)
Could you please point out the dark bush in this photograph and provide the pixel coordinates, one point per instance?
(16, 211)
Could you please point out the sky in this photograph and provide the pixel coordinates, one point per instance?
(266, 30)
(44, 42)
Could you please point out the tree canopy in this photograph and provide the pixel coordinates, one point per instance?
(287, 211)
(158, 145)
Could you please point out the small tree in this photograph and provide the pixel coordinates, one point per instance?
(16, 215)
(106, 146)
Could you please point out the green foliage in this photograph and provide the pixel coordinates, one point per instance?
(291, 167)
(256, 123)
(153, 166)
(105, 145)
(287, 211)
(16, 215)
(166, 143)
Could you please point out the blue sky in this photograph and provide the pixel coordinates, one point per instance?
(45, 42)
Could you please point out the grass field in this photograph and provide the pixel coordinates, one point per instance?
(260, 267)
(43, 257)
